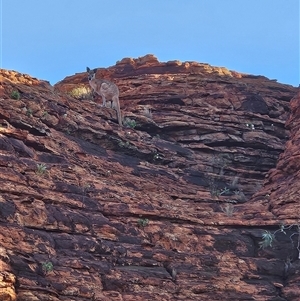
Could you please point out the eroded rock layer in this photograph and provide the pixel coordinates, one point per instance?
(172, 206)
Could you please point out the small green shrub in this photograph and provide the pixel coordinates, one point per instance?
(29, 112)
(41, 169)
(15, 95)
(81, 93)
(143, 222)
(129, 123)
(124, 144)
(214, 192)
(47, 267)
(267, 239)
(228, 209)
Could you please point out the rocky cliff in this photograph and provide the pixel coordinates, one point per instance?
(186, 201)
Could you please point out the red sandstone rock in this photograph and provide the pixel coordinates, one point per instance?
(173, 209)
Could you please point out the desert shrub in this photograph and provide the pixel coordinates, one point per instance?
(143, 222)
(228, 209)
(15, 94)
(41, 169)
(269, 237)
(129, 123)
(29, 112)
(81, 93)
(47, 267)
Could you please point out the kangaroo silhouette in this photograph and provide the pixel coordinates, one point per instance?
(107, 90)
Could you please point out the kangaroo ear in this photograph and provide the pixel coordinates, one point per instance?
(88, 69)
(95, 70)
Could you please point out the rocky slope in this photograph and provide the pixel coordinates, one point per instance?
(172, 206)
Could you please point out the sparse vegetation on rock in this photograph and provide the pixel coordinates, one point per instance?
(268, 238)
(110, 206)
(129, 123)
(15, 95)
(47, 267)
(41, 169)
(228, 209)
(81, 93)
(143, 222)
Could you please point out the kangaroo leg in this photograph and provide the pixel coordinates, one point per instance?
(92, 94)
(103, 101)
(116, 105)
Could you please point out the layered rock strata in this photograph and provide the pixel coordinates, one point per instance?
(172, 206)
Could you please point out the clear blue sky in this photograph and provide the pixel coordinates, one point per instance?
(52, 39)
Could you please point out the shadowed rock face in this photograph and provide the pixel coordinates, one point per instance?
(173, 209)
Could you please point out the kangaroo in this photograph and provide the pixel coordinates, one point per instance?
(107, 90)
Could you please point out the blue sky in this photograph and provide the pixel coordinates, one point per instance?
(52, 39)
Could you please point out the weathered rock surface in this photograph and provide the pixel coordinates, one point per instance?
(173, 209)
